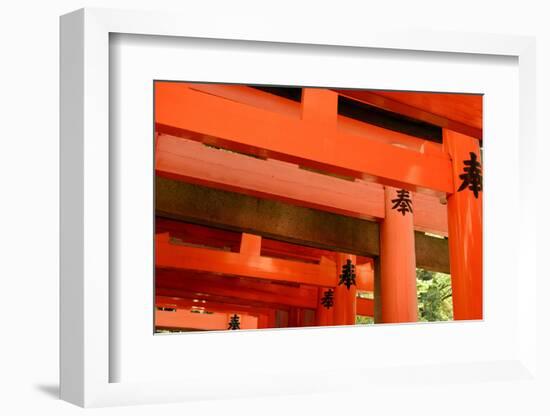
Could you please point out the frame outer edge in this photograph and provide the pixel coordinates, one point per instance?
(379, 36)
(527, 309)
(84, 238)
(71, 202)
(95, 182)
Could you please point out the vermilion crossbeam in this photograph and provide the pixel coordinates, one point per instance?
(231, 289)
(183, 159)
(184, 319)
(458, 112)
(210, 306)
(247, 297)
(171, 256)
(248, 129)
(215, 237)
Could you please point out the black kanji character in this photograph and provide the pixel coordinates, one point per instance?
(328, 299)
(471, 178)
(347, 278)
(234, 323)
(403, 202)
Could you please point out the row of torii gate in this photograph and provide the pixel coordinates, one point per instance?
(208, 278)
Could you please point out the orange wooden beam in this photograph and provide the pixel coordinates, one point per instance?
(171, 256)
(184, 159)
(213, 237)
(458, 112)
(239, 127)
(178, 283)
(246, 298)
(264, 315)
(270, 102)
(184, 319)
(208, 305)
(252, 97)
(274, 248)
(199, 234)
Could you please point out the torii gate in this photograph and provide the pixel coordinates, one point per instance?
(248, 262)
(284, 134)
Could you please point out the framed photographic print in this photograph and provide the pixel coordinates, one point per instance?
(252, 214)
(239, 173)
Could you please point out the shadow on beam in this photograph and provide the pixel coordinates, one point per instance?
(285, 222)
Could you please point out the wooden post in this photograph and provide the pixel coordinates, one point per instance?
(377, 291)
(324, 316)
(251, 244)
(397, 258)
(464, 208)
(294, 318)
(272, 319)
(345, 309)
(320, 106)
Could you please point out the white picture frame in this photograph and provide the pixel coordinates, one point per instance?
(86, 349)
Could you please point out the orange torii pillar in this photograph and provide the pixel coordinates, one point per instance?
(464, 212)
(397, 258)
(294, 317)
(267, 320)
(321, 107)
(272, 319)
(263, 321)
(345, 307)
(325, 316)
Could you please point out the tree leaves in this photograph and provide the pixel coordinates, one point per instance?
(434, 296)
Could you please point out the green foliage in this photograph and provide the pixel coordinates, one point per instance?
(424, 275)
(364, 320)
(365, 295)
(435, 301)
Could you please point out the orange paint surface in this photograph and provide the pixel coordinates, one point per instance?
(183, 159)
(255, 277)
(324, 316)
(344, 298)
(465, 233)
(184, 319)
(189, 284)
(458, 112)
(251, 244)
(172, 256)
(365, 307)
(251, 130)
(398, 264)
(208, 305)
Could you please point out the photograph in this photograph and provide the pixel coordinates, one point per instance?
(252, 208)
(306, 206)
